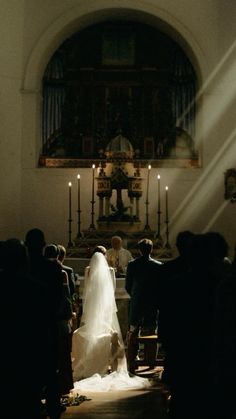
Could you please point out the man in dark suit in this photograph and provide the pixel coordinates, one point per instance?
(68, 269)
(49, 273)
(171, 270)
(24, 331)
(141, 284)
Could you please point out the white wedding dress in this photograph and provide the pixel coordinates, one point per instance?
(97, 344)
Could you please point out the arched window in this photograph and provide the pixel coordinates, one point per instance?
(53, 103)
(119, 78)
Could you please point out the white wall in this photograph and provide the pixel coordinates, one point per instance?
(11, 35)
(31, 30)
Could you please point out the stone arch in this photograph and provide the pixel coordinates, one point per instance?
(82, 16)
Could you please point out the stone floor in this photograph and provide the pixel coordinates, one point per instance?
(135, 404)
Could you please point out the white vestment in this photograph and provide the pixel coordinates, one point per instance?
(119, 259)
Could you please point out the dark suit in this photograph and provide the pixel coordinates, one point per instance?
(24, 345)
(141, 284)
(169, 276)
(71, 278)
(49, 273)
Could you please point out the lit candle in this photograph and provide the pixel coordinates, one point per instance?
(78, 178)
(93, 169)
(159, 192)
(149, 168)
(70, 185)
(167, 204)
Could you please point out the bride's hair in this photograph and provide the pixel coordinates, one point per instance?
(100, 249)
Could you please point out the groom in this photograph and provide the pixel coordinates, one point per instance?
(141, 284)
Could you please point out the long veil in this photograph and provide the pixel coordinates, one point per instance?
(98, 342)
(98, 298)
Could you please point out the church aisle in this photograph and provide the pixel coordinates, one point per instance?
(135, 404)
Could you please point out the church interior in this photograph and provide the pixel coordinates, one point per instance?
(169, 92)
(117, 118)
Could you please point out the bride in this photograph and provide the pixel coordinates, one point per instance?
(98, 353)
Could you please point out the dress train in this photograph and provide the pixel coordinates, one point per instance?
(97, 345)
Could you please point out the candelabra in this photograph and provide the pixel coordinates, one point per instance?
(78, 211)
(159, 240)
(92, 225)
(167, 245)
(158, 234)
(70, 243)
(147, 227)
(79, 223)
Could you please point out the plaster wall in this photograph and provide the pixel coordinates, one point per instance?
(11, 47)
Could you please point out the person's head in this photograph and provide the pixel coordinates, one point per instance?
(51, 251)
(183, 240)
(198, 252)
(15, 256)
(100, 249)
(218, 247)
(116, 242)
(145, 247)
(62, 253)
(98, 259)
(35, 241)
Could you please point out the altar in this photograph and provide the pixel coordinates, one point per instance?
(118, 178)
(119, 172)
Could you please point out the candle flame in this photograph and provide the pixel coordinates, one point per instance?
(69, 184)
(158, 177)
(93, 166)
(167, 188)
(78, 176)
(149, 167)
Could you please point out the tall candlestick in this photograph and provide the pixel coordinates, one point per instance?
(167, 245)
(70, 244)
(147, 227)
(70, 185)
(167, 210)
(149, 168)
(159, 209)
(78, 210)
(78, 179)
(159, 192)
(93, 173)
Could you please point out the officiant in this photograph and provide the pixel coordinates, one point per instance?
(118, 257)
